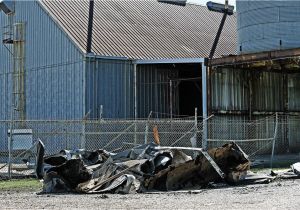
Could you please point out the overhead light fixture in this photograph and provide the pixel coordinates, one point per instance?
(226, 9)
(175, 2)
(221, 8)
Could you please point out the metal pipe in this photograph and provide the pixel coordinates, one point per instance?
(213, 49)
(204, 107)
(274, 140)
(171, 100)
(135, 90)
(90, 27)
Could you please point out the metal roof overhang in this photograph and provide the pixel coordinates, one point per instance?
(150, 61)
(169, 61)
(255, 57)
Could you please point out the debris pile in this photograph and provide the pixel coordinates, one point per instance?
(144, 168)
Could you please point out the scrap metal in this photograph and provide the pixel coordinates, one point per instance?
(144, 168)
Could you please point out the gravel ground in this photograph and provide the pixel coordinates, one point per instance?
(276, 195)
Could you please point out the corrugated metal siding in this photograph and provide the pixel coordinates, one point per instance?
(5, 73)
(54, 70)
(294, 92)
(154, 91)
(54, 67)
(293, 133)
(145, 29)
(268, 92)
(268, 25)
(5, 85)
(110, 84)
(229, 90)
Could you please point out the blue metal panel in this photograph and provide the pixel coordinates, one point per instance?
(109, 83)
(54, 67)
(268, 25)
(153, 90)
(5, 72)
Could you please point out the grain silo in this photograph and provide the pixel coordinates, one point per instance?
(268, 25)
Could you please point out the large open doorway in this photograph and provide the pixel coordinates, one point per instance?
(190, 89)
(169, 90)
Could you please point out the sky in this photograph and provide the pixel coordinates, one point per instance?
(203, 2)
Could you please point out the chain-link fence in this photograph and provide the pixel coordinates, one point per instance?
(111, 135)
(255, 137)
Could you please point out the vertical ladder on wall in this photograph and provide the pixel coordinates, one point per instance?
(18, 76)
(13, 38)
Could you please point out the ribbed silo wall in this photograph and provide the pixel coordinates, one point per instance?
(109, 83)
(54, 69)
(267, 25)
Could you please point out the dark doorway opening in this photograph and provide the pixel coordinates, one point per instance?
(190, 89)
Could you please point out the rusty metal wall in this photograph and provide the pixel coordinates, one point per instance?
(268, 92)
(229, 90)
(294, 92)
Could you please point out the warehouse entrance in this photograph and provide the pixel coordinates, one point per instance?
(169, 90)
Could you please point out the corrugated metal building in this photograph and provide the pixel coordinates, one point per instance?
(159, 42)
(263, 78)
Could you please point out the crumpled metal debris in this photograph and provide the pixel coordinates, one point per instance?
(292, 173)
(144, 168)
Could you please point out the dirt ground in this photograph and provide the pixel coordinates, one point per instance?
(276, 195)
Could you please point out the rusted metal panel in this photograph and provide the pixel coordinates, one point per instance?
(230, 90)
(294, 92)
(268, 92)
(144, 29)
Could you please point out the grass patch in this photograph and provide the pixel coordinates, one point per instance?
(21, 184)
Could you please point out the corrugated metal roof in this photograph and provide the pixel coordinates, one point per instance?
(144, 29)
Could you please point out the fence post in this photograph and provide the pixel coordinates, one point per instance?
(204, 107)
(194, 140)
(274, 139)
(196, 122)
(171, 100)
(147, 128)
(10, 139)
(101, 112)
(82, 140)
(135, 133)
